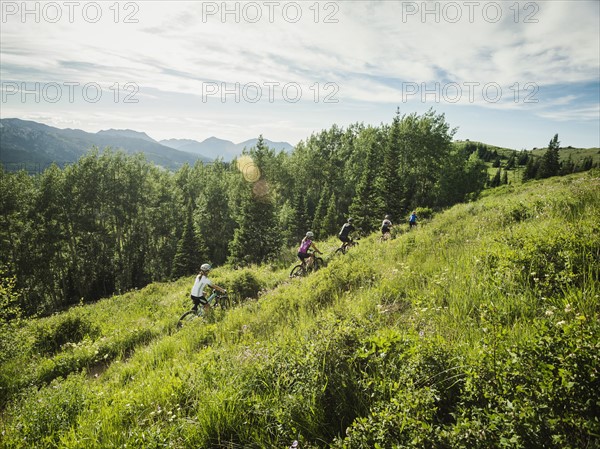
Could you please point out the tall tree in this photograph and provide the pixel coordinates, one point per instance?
(426, 145)
(257, 237)
(190, 254)
(331, 221)
(214, 214)
(550, 161)
(368, 205)
(389, 180)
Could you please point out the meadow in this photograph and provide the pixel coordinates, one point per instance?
(478, 329)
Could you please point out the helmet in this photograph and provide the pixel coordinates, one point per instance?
(349, 220)
(310, 235)
(205, 267)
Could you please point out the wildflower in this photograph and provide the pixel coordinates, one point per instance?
(568, 308)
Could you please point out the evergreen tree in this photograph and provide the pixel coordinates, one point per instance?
(505, 177)
(567, 166)
(550, 161)
(512, 161)
(257, 237)
(189, 255)
(320, 212)
(523, 157)
(331, 222)
(214, 214)
(495, 181)
(367, 205)
(530, 169)
(389, 180)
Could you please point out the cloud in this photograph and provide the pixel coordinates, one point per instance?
(371, 51)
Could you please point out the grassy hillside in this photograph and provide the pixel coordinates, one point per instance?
(479, 329)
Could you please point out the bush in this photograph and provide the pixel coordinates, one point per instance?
(543, 393)
(51, 334)
(424, 213)
(243, 285)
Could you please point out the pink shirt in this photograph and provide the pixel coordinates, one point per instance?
(304, 246)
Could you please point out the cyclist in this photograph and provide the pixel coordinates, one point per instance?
(344, 234)
(200, 283)
(305, 245)
(386, 225)
(412, 220)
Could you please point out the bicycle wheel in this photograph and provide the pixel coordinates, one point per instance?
(318, 263)
(297, 271)
(340, 250)
(186, 318)
(385, 237)
(224, 302)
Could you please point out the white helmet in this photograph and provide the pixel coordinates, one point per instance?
(310, 235)
(205, 267)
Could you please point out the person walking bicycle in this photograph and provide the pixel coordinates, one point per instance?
(344, 236)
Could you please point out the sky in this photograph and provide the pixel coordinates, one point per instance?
(507, 73)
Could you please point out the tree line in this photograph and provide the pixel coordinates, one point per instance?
(110, 222)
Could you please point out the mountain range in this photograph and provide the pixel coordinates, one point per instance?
(27, 144)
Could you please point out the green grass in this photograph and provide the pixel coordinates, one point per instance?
(477, 329)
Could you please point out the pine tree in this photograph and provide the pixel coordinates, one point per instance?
(389, 180)
(189, 253)
(495, 181)
(531, 169)
(550, 161)
(257, 237)
(367, 205)
(331, 222)
(320, 212)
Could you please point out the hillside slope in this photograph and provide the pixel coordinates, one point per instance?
(479, 329)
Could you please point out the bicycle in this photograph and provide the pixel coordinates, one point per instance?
(343, 249)
(214, 300)
(385, 237)
(313, 263)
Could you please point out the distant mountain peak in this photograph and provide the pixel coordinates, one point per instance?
(129, 133)
(214, 147)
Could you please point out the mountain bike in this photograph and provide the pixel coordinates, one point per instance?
(216, 299)
(385, 237)
(312, 263)
(343, 249)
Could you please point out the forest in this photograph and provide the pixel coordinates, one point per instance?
(112, 222)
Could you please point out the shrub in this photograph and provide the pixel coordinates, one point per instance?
(424, 213)
(243, 285)
(51, 334)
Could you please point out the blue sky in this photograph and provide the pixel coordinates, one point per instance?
(510, 73)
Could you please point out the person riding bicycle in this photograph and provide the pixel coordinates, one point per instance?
(412, 220)
(305, 245)
(344, 234)
(386, 225)
(200, 283)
